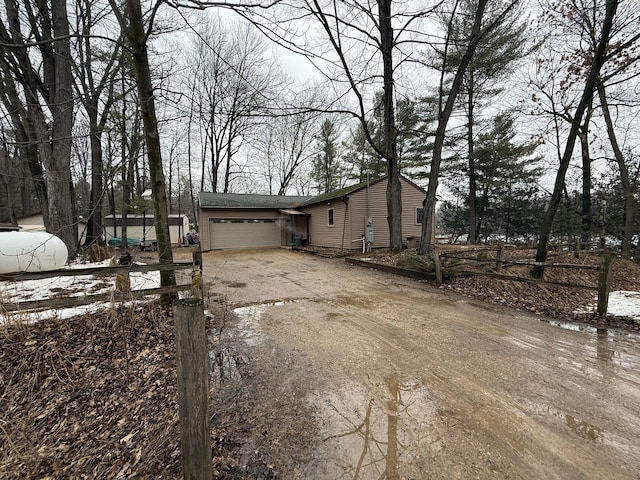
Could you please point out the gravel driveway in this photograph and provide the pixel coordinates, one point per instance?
(337, 372)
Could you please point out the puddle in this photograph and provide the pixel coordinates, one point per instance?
(234, 284)
(577, 426)
(572, 326)
(249, 320)
(226, 365)
(584, 429)
(374, 433)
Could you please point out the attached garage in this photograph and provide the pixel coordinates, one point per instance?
(236, 220)
(244, 233)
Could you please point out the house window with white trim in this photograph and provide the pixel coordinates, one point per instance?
(330, 217)
(419, 215)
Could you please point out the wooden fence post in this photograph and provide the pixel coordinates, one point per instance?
(604, 283)
(197, 286)
(438, 265)
(193, 389)
(500, 257)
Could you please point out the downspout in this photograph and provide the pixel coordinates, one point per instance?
(344, 222)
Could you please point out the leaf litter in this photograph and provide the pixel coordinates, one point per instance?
(95, 396)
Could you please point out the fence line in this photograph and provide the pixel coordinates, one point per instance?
(79, 300)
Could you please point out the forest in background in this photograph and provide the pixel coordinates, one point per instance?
(518, 118)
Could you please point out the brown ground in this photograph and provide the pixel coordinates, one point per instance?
(324, 370)
(548, 300)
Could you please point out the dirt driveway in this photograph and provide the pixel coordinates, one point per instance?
(335, 371)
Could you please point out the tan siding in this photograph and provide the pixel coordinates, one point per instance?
(377, 210)
(207, 214)
(412, 197)
(321, 234)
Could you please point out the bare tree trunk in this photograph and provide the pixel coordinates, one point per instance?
(59, 186)
(137, 40)
(472, 165)
(585, 100)
(586, 177)
(429, 223)
(394, 187)
(627, 190)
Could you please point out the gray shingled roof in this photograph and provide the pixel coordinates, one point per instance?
(244, 200)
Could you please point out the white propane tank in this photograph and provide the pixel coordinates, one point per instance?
(31, 252)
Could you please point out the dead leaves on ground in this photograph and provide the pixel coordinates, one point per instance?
(91, 397)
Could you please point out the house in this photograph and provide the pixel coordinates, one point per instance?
(142, 227)
(335, 219)
(235, 220)
(35, 223)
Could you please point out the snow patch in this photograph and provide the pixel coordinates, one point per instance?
(26, 290)
(624, 304)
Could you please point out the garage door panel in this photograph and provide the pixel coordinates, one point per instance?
(248, 233)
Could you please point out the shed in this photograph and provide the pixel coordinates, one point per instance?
(142, 227)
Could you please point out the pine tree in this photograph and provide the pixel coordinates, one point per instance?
(493, 61)
(507, 172)
(327, 170)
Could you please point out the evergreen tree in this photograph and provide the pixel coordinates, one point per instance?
(327, 170)
(507, 171)
(493, 61)
(359, 158)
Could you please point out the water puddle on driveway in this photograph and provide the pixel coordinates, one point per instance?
(249, 320)
(249, 323)
(373, 433)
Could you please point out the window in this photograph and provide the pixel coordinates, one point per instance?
(419, 215)
(330, 213)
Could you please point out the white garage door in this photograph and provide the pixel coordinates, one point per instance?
(244, 233)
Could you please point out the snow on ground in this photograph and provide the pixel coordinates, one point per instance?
(26, 290)
(624, 304)
(621, 303)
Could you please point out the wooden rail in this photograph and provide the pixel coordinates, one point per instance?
(604, 277)
(96, 271)
(79, 300)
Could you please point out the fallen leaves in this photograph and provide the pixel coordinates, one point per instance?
(69, 408)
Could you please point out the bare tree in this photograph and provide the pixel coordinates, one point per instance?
(94, 83)
(478, 30)
(589, 87)
(286, 146)
(36, 87)
(132, 25)
(625, 180)
(232, 78)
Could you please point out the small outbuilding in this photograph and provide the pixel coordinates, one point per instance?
(142, 227)
(35, 223)
(343, 219)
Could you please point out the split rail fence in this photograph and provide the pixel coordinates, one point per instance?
(604, 271)
(192, 351)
